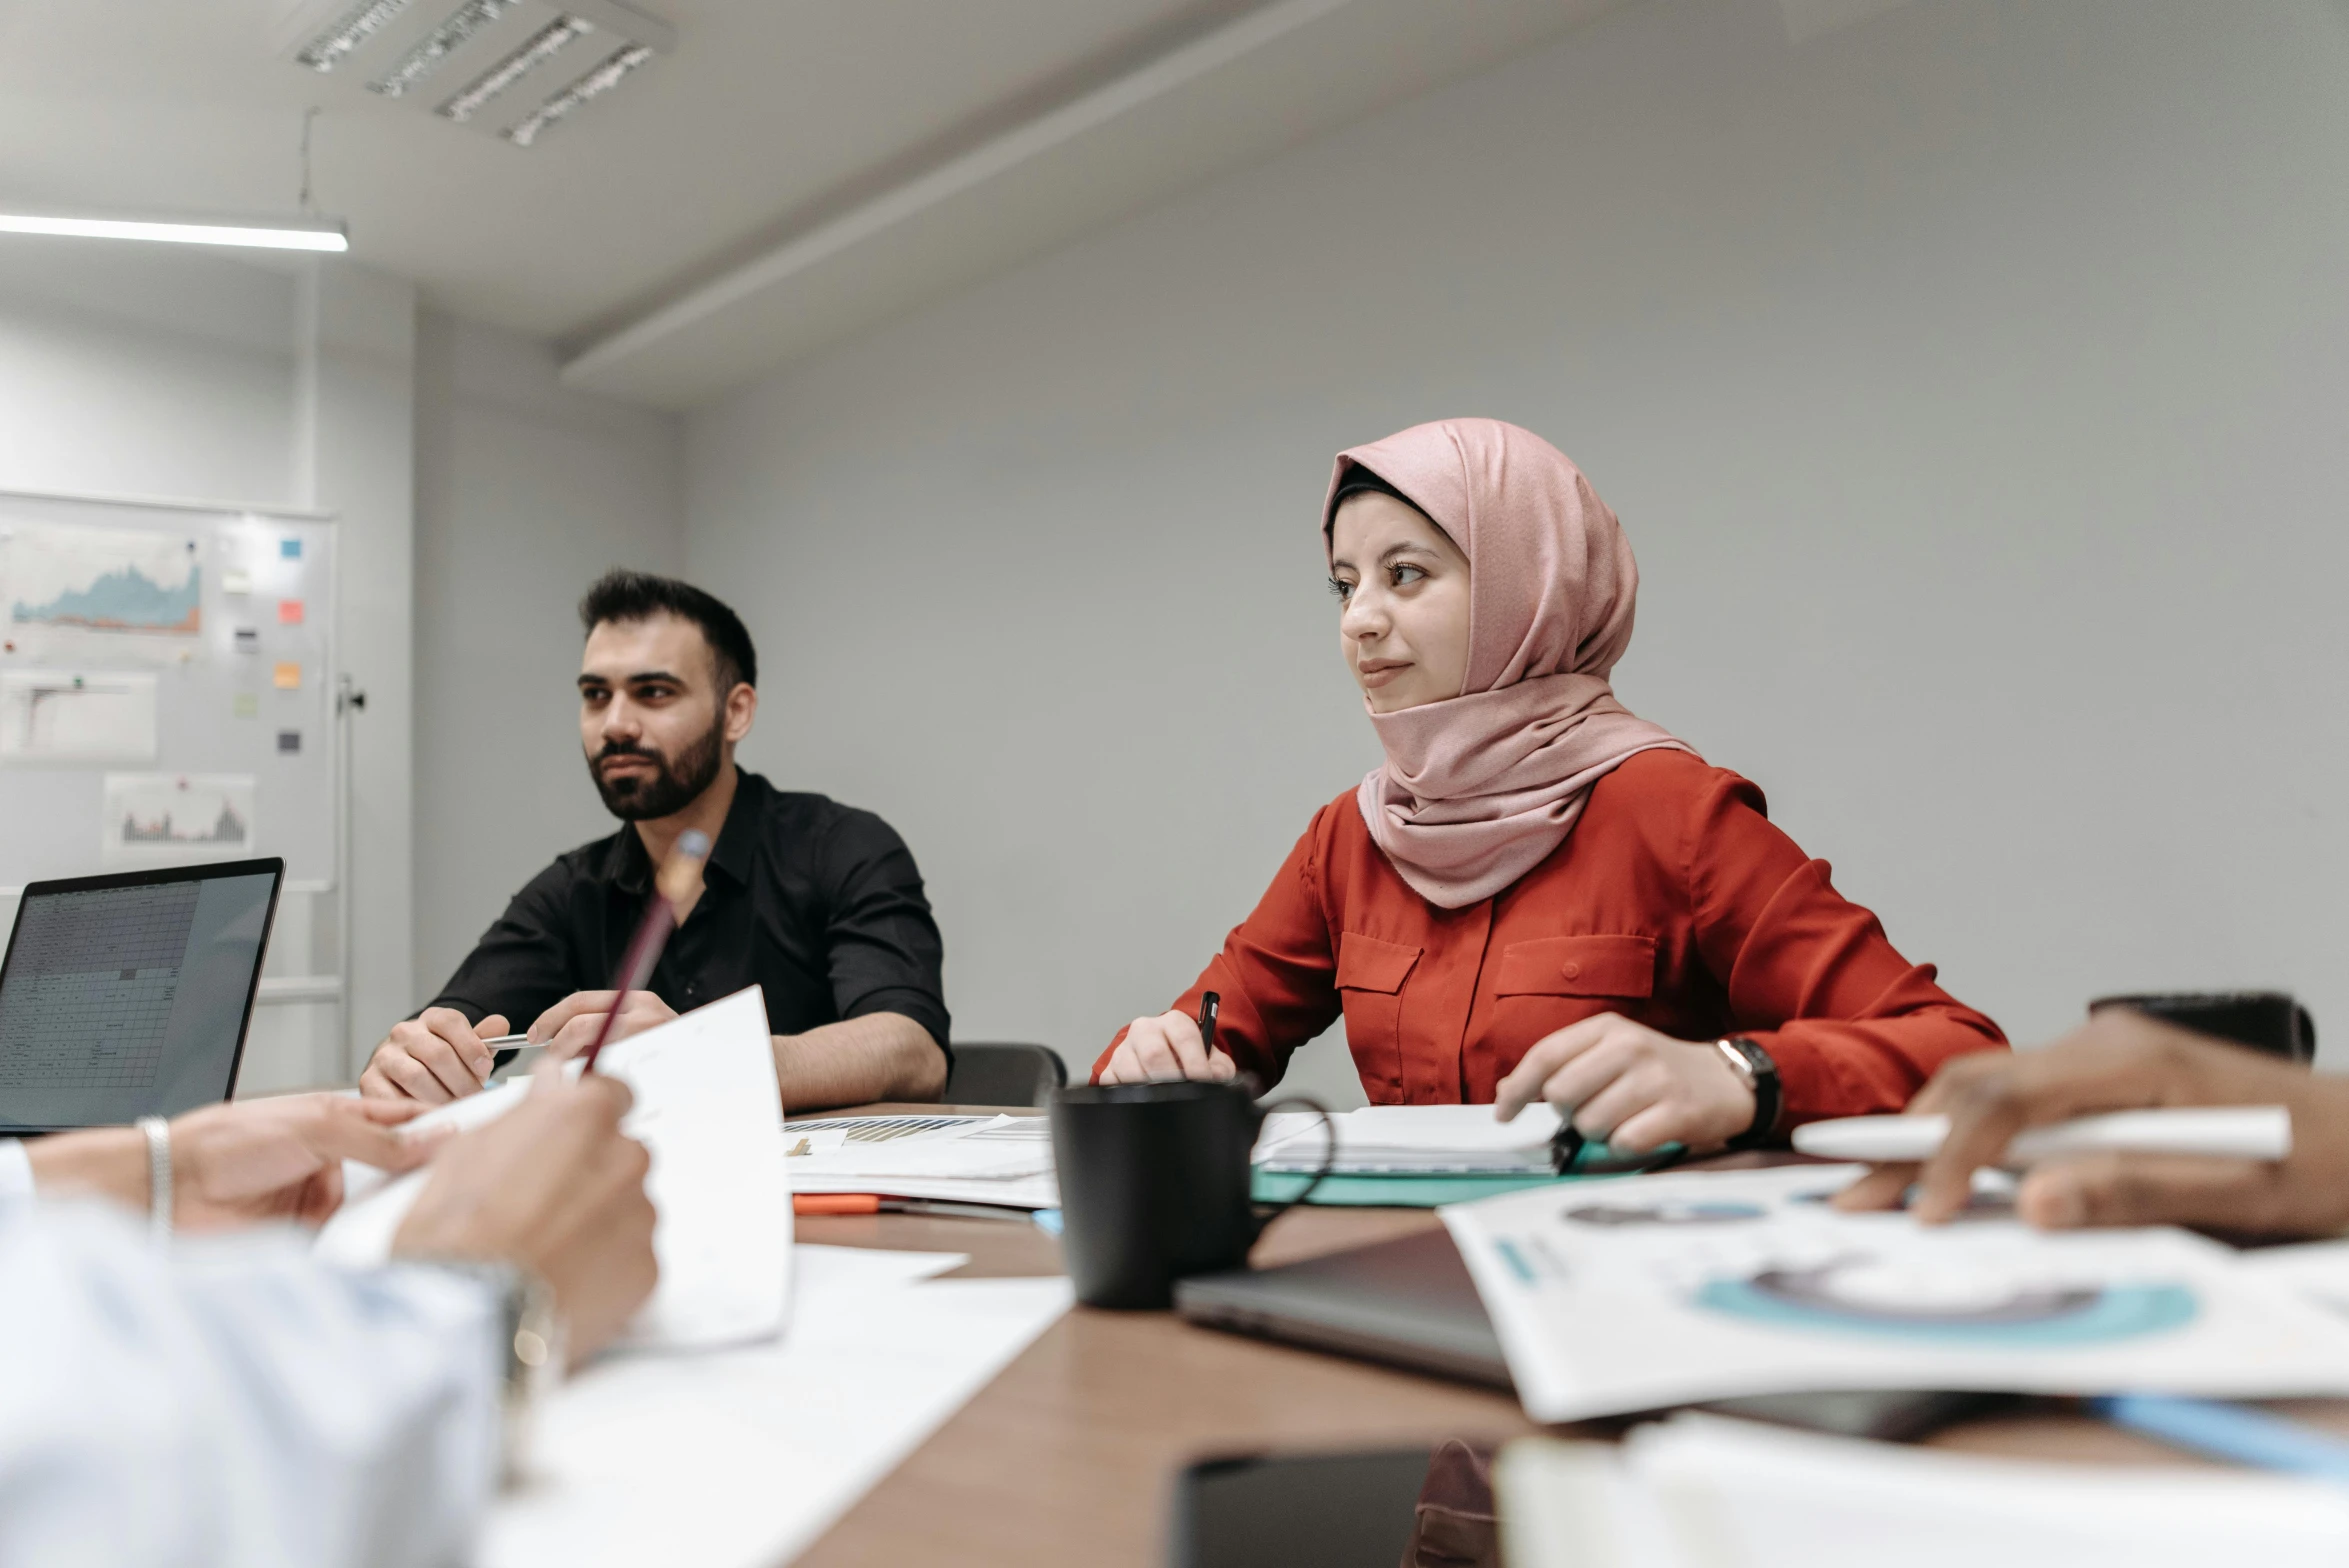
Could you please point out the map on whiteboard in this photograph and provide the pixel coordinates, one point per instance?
(111, 581)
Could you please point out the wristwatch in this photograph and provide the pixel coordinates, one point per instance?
(530, 1332)
(1754, 1068)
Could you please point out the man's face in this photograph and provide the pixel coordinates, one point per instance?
(651, 719)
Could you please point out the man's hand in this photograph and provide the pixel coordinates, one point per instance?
(240, 1164)
(2127, 1061)
(555, 1187)
(1635, 1088)
(1167, 1048)
(433, 1058)
(569, 1027)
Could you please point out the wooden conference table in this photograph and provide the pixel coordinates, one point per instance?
(1068, 1455)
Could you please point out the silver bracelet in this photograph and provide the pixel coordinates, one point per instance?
(158, 1133)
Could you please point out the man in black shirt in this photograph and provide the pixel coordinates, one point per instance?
(817, 903)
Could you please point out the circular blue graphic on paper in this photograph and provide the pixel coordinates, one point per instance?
(1666, 1213)
(2025, 1318)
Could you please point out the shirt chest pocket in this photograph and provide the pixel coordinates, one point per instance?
(1370, 984)
(1622, 966)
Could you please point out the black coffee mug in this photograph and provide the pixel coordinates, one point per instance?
(1154, 1185)
(2270, 1021)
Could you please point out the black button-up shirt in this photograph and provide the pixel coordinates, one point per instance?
(817, 903)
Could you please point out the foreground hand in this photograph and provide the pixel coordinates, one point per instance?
(433, 1058)
(239, 1164)
(1166, 1049)
(556, 1188)
(1631, 1086)
(570, 1026)
(2127, 1061)
(255, 1160)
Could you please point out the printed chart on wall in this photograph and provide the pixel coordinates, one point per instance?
(166, 688)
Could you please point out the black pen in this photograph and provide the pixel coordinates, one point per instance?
(1208, 1003)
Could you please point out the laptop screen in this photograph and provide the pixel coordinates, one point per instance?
(127, 995)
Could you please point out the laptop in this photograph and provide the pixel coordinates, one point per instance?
(129, 995)
(1411, 1303)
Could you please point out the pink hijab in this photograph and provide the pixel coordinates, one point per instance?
(1478, 790)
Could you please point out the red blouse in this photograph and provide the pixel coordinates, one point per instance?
(1674, 902)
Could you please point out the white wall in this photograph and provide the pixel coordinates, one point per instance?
(476, 498)
(1969, 379)
(526, 491)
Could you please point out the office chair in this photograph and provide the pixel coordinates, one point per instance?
(998, 1073)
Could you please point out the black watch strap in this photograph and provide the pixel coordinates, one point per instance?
(1769, 1093)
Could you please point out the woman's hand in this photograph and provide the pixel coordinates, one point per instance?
(1636, 1089)
(2125, 1061)
(242, 1163)
(569, 1027)
(1165, 1049)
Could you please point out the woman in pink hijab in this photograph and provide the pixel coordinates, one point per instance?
(1541, 895)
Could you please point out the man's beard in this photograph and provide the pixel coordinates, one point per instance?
(675, 786)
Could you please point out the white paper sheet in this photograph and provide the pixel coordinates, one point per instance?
(1667, 1290)
(1699, 1491)
(1004, 1160)
(708, 1111)
(1422, 1139)
(744, 1457)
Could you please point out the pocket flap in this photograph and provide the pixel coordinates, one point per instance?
(1367, 964)
(1578, 966)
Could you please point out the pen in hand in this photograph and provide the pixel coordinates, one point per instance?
(1209, 1003)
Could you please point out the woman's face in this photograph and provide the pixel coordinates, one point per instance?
(1404, 585)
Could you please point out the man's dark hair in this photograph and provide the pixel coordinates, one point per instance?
(621, 595)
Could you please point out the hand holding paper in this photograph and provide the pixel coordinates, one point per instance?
(709, 1115)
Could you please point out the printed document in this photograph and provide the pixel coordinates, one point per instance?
(1698, 1491)
(708, 1111)
(1653, 1291)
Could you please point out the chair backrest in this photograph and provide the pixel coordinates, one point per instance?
(1002, 1073)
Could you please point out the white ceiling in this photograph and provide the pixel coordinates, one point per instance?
(793, 171)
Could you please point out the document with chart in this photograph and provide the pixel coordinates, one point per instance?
(1665, 1290)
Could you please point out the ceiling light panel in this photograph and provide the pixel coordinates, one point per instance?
(348, 31)
(595, 83)
(414, 51)
(543, 46)
(439, 44)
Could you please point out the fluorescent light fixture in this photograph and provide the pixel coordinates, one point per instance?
(440, 43)
(351, 29)
(322, 234)
(542, 45)
(598, 81)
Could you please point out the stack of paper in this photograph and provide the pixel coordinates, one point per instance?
(708, 1112)
(1697, 1491)
(1416, 1140)
(1670, 1290)
(1003, 1160)
(742, 1458)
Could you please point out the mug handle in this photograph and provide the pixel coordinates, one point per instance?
(1329, 1158)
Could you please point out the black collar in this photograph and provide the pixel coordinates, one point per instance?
(629, 868)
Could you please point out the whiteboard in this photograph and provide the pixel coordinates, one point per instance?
(167, 688)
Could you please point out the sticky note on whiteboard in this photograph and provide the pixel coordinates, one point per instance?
(289, 612)
(287, 677)
(236, 582)
(289, 549)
